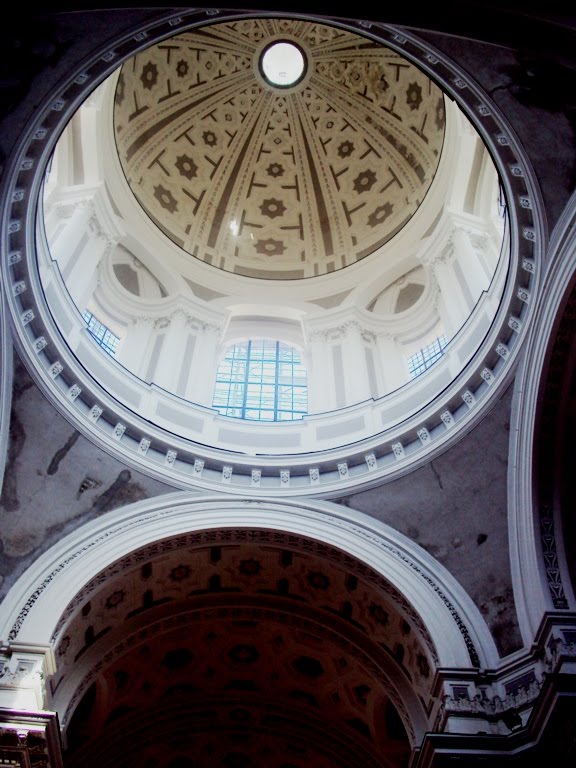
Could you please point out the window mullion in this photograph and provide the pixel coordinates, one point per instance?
(246, 379)
(257, 383)
(276, 376)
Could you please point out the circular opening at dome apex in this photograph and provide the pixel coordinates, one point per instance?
(283, 64)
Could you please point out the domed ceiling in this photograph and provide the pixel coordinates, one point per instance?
(277, 181)
(191, 174)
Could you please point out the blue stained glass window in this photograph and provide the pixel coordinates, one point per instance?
(427, 356)
(261, 380)
(101, 334)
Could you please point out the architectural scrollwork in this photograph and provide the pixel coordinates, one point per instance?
(342, 330)
(161, 323)
(64, 209)
(482, 704)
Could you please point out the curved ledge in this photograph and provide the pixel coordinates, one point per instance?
(381, 443)
(541, 582)
(6, 376)
(41, 596)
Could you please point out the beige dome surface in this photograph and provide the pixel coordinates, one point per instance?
(269, 181)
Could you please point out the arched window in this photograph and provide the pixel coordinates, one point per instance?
(101, 334)
(426, 357)
(262, 380)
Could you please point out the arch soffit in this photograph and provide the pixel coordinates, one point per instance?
(34, 606)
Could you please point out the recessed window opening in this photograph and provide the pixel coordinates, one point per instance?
(261, 380)
(101, 334)
(426, 357)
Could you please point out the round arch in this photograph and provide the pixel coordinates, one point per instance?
(5, 384)
(538, 555)
(60, 583)
(37, 601)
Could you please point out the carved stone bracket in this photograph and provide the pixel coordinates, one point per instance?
(501, 702)
(30, 739)
(23, 671)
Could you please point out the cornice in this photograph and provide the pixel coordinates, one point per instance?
(369, 454)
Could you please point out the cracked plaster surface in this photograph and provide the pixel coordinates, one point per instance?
(45, 494)
(455, 507)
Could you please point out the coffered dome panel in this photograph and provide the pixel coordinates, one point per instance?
(278, 182)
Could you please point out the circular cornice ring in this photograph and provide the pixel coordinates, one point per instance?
(391, 452)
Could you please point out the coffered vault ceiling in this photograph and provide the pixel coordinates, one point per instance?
(239, 634)
(277, 182)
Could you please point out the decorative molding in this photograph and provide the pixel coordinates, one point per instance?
(73, 392)
(272, 522)
(398, 450)
(371, 462)
(424, 436)
(56, 369)
(529, 233)
(496, 704)
(23, 671)
(550, 555)
(95, 413)
(488, 376)
(33, 154)
(529, 265)
(523, 294)
(447, 419)
(39, 344)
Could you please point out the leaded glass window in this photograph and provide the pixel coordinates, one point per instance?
(422, 360)
(261, 380)
(101, 334)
